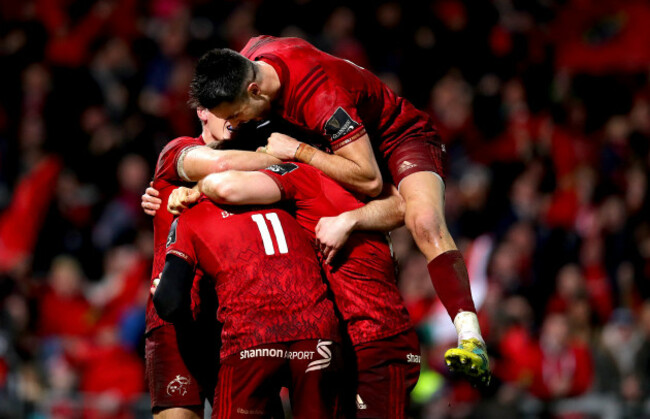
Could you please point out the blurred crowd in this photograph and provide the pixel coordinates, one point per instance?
(544, 106)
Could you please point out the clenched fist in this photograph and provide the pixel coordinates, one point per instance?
(282, 146)
(181, 199)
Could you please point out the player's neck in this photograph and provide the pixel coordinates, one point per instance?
(269, 80)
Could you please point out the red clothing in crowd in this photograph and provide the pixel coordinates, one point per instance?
(22, 220)
(63, 315)
(573, 364)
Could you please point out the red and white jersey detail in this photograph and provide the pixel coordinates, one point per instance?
(166, 179)
(363, 283)
(267, 278)
(337, 98)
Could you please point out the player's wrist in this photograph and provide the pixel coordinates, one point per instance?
(304, 153)
(350, 220)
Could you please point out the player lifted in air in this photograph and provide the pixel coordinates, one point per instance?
(372, 132)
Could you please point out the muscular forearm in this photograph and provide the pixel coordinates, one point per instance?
(202, 161)
(384, 213)
(354, 165)
(347, 172)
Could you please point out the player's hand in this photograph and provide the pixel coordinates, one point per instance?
(150, 201)
(281, 146)
(332, 233)
(181, 199)
(154, 285)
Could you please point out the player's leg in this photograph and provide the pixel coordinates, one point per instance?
(315, 373)
(179, 413)
(423, 193)
(415, 167)
(175, 394)
(388, 369)
(250, 387)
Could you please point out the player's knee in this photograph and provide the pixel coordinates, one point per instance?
(426, 227)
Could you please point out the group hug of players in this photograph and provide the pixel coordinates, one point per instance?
(291, 239)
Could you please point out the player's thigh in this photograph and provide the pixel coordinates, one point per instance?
(250, 387)
(414, 155)
(423, 193)
(170, 382)
(388, 369)
(315, 378)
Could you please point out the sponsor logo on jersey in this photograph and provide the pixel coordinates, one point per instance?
(171, 237)
(323, 350)
(179, 254)
(178, 385)
(275, 353)
(361, 405)
(405, 165)
(413, 359)
(339, 124)
(243, 411)
(282, 168)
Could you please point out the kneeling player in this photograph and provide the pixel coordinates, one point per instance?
(279, 329)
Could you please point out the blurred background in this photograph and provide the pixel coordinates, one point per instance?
(545, 109)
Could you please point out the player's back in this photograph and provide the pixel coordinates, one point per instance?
(267, 277)
(362, 277)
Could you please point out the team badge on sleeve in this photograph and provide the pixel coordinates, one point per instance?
(171, 237)
(339, 124)
(282, 168)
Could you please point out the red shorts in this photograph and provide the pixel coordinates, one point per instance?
(250, 381)
(387, 371)
(417, 155)
(180, 367)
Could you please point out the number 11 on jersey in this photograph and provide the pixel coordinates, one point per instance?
(266, 235)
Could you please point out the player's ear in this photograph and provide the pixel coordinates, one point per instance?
(202, 113)
(254, 90)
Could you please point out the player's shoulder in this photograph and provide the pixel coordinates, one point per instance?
(167, 159)
(180, 142)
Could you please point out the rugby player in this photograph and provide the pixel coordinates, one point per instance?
(371, 131)
(385, 361)
(178, 377)
(279, 328)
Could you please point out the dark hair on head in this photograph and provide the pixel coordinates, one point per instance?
(220, 76)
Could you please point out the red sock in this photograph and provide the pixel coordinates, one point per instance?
(449, 277)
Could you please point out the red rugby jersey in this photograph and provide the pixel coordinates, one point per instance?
(267, 277)
(363, 284)
(337, 98)
(166, 179)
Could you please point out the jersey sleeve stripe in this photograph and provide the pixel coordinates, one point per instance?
(360, 132)
(283, 192)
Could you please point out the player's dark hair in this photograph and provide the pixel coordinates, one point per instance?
(221, 75)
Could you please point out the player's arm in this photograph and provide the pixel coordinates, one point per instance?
(382, 214)
(200, 161)
(353, 165)
(237, 187)
(172, 297)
